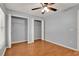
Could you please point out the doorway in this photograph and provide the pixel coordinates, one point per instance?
(38, 29)
(18, 29)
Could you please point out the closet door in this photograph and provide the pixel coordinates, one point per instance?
(2, 28)
(18, 30)
(37, 30)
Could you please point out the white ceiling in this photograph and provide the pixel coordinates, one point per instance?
(26, 8)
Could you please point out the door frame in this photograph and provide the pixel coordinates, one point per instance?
(9, 27)
(9, 31)
(78, 30)
(42, 28)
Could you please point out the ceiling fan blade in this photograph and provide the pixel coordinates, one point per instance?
(53, 9)
(51, 3)
(46, 3)
(36, 8)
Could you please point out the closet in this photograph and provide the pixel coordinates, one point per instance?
(37, 29)
(18, 29)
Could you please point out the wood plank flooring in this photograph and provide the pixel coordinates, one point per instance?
(39, 48)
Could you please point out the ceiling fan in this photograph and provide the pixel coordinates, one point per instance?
(45, 7)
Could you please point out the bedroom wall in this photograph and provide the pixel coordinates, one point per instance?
(4, 43)
(61, 27)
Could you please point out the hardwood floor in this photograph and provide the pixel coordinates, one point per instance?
(39, 48)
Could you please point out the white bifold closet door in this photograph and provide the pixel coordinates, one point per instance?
(2, 28)
(19, 30)
(37, 29)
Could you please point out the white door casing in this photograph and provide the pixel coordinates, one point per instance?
(9, 30)
(9, 27)
(78, 30)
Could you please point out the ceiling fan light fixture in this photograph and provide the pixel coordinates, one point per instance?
(46, 9)
(43, 10)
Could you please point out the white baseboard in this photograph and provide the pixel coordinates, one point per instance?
(30, 42)
(19, 41)
(4, 52)
(63, 45)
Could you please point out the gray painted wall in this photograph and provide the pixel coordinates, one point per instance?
(37, 29)
(62, 27)
(19, 29)
(5, 11)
